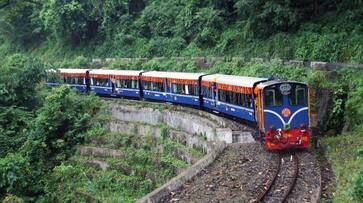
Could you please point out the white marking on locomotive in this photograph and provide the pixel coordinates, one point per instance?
(281, 119)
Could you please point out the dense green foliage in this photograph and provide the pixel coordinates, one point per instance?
(357, 186)
(37, 128)
(18, 80)
(308, 30)
(148, 162)
(57, 126)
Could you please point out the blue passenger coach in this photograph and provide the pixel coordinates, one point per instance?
(231, 95)
(116, 83)
(76, 78)
(174, 87)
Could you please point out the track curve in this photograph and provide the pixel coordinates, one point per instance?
(283, 181)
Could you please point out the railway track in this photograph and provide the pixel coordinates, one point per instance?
(283, 181)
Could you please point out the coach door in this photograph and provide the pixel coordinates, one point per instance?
(214, 95)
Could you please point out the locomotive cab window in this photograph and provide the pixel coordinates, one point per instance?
(298, 95)
(272, 96)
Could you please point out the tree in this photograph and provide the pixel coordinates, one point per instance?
(20, 21)
(16, 174)
(19, 78)
(69, 20)
(59, 125)
(13, 122)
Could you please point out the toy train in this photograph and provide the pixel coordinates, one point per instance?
(279, 109)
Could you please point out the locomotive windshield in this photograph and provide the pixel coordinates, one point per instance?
(297, 95)
(273, 96)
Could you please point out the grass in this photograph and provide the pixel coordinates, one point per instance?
(345, 156)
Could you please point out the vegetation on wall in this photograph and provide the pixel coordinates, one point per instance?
(147, 163)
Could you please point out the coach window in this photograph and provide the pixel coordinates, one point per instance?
(244, 100)
(147, 85)
(190, 89)
(272, 96)
(297, 95)
(240, 98)
(118, 84)
(131, 84)
(234, 97)
(100, 82)
(224, 96)
(74, 80)
(67, 80)
(157, 86)
(178, 88)
(134, 84)
(221, 95)
(206, 92)
(80, 81)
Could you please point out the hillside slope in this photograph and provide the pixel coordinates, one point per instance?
(326, 30)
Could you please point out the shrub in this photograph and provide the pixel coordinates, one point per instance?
(164, 130)
(356, 189)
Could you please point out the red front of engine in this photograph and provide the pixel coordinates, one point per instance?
(287, 139)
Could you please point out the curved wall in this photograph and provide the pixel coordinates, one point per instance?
(191, 121)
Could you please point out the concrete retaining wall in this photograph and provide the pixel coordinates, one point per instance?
(190, 121)
(144, 129)
(100, 152)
